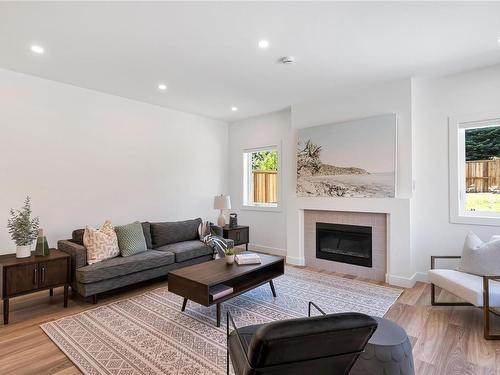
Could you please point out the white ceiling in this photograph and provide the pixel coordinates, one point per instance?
(207, 52)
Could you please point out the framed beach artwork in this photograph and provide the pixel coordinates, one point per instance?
(355, 159)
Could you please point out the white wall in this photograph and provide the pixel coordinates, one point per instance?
(267, 228)
(435, 100)
(84, 157)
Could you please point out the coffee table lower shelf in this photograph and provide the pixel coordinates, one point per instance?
(225, 298)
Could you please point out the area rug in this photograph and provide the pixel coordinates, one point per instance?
(148, 334)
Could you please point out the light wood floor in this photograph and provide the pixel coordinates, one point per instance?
(446, 340)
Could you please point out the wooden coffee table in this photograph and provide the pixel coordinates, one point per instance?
(194, 282)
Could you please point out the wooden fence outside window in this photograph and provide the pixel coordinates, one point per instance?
(265, 186)
(481, 175)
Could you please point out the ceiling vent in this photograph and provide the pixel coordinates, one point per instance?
(287, 60)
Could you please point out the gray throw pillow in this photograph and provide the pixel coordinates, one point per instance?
(131, 239)
(480, 258)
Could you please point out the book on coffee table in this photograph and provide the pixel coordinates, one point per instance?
(219, 291)
(247, 258)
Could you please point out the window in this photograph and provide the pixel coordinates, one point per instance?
(475, 171)
(261, 177)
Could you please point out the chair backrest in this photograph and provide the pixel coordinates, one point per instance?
(328, 344)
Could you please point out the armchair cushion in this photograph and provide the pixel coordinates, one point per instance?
(465, 285)
(327, 344)
(480, 258)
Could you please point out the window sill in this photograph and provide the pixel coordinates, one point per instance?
(261, 208)
(475, 219)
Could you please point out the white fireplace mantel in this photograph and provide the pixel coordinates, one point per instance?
(399, 257)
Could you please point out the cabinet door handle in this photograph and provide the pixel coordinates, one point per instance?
(43, 275)
(238, 236)
(35, 276)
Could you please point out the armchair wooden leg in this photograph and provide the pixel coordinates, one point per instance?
(486, 312)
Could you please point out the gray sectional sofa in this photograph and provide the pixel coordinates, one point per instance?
(171, 245)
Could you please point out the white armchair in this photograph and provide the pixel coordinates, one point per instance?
(479, 291)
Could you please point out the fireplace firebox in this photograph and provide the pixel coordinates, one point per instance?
(344, 243)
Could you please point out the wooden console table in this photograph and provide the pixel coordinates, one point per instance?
(19, 276)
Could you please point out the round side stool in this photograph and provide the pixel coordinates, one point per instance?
(388, 352)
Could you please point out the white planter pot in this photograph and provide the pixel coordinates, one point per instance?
(23, 251)
(230, 259)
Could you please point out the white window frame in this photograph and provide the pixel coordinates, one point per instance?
(456, 139)
(248, 186)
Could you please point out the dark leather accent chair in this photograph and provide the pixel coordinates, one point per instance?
(328, 344)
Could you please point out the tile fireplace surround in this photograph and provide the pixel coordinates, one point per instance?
(377, 221)
(398, 262)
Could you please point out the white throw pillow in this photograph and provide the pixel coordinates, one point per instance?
(203, 230)
(100, 243)
(480, 258)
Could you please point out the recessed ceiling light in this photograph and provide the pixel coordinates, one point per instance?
(263, 43)
(37, 49)
(162, 87)
(234, 109)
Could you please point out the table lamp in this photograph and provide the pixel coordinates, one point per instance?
(222, 202)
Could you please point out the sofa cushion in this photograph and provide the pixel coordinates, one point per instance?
(168, 233)
(119, 266)
(187, 250)
(131, 239)
(464, 285)
(146, 228)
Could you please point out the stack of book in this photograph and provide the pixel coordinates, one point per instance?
(247, 258)
(219, 291)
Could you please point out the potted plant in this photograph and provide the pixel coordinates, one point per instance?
(229, 255)
(23, 229)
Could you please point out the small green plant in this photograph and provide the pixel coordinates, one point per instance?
(229, 251)
(22, 228)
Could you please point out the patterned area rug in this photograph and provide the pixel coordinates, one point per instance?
(148, 334)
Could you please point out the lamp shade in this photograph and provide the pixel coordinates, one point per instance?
(222, 202)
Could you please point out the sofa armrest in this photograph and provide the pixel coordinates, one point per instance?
(215, 229)
(218, 232)
(78, 255)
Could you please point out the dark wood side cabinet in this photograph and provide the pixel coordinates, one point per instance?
(28, 275)
(239, 234)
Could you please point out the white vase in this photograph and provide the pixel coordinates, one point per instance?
(23, 251)
(230, 259)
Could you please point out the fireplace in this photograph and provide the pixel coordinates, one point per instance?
(344, 243)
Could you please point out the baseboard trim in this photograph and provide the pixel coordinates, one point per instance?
(295, 261)
(267, 249)
(406, 282)
(421, 276)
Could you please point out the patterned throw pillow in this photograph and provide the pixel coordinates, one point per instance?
(100, 243)
(131, 239)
